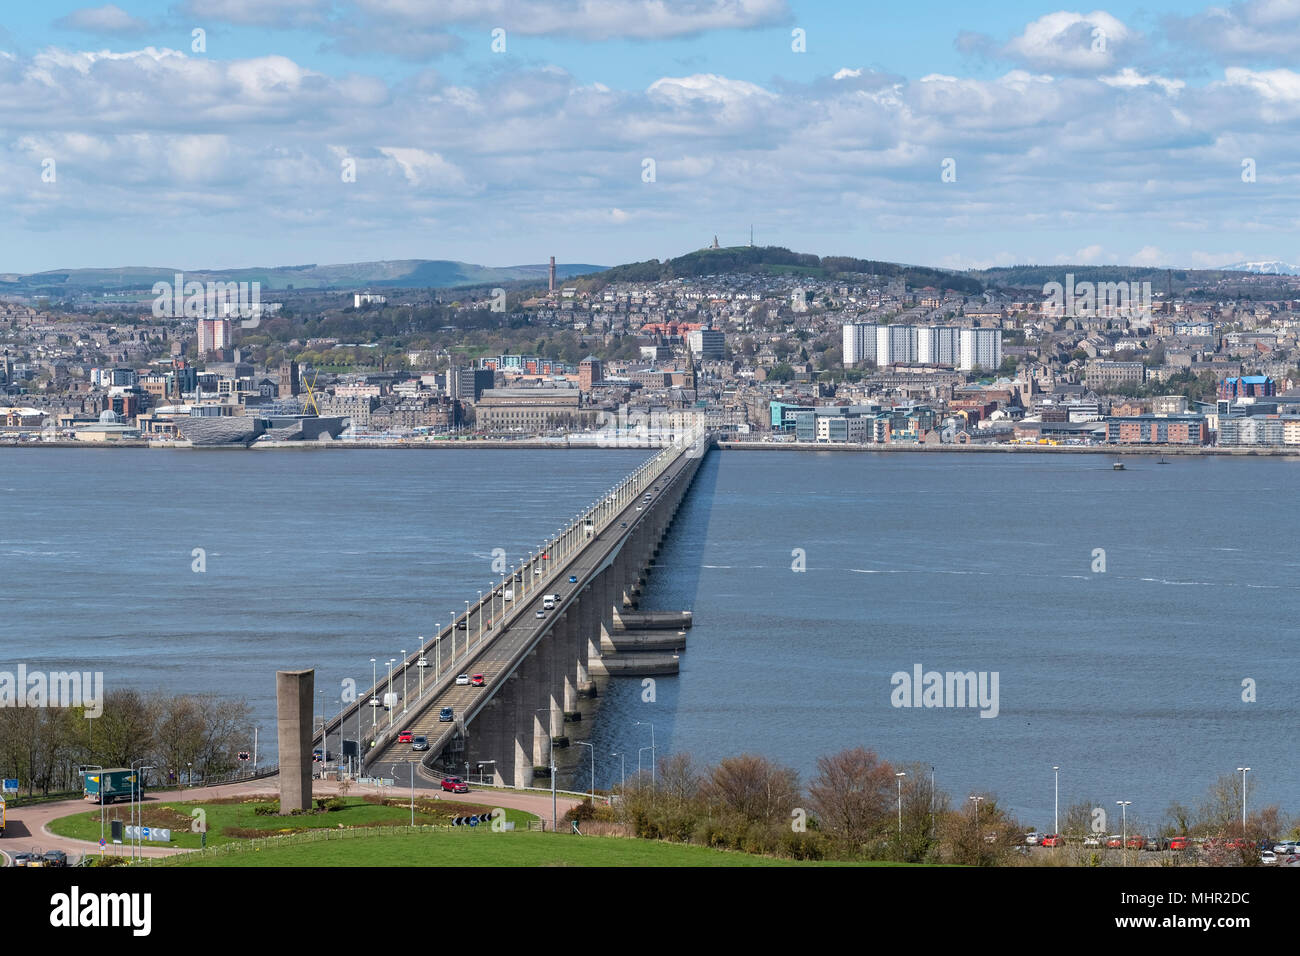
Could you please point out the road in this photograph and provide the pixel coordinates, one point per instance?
(26, 828)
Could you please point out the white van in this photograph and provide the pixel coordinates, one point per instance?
(548, 603)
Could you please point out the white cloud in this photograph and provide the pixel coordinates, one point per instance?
(1066, 41)
(109, 18)
(1129, 78)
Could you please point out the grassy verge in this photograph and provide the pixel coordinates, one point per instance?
(234, 819)
(477, 847)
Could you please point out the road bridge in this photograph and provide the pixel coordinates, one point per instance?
(533, 661)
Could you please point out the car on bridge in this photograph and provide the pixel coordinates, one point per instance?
(419, 742)
(573, 579)
(462, 624)
(476, 680)
(446, 714)
(375, 702)
(455, 785)
(405, 737)
(541, 615)
(462, 679)
(422, 662)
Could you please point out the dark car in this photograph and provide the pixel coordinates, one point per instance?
(446, 714)
(419, 742)
(455, 785)
(55, 858)
(462, 624)
(573, 579)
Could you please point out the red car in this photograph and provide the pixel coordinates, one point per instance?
(476, 680)
(1136, 843)
(1052, 839)
(404, 737)
(1178, 843)
(1115, 842)
(455, 785)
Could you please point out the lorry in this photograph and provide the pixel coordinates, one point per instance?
(112, 784)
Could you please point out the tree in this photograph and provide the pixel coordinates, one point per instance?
(850, 797)
(755, 788)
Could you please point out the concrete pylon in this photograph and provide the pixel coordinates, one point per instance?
(294, 693)
(521, 693)
(567, 654)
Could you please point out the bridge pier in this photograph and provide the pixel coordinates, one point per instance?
(525, 692)
(570, 633)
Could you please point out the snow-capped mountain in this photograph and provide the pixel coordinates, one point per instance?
(1272, 267)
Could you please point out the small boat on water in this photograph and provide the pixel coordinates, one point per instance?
(1162, 461)
(1118, 466)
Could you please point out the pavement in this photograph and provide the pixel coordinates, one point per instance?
(26, 827)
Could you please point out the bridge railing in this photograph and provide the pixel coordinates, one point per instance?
(516, 588)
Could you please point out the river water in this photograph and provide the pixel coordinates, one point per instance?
(1124, 614)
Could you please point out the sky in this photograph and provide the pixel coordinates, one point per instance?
(228, 133)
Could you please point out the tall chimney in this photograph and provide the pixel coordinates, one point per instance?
(552, 273)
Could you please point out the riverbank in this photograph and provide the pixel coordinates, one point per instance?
(1111, 451)
(563, 445)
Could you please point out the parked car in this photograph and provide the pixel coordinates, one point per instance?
(1136, 842)
(405, 737)
(419, 742)
(476, 680)
(55, 858)
(1115, 842)
(21, 859)
(1052, 839)
(462, 679)
(1092, 840)
(1156, 844)
(1178, 843)
(446, 714)
(455, 785)
(1031, 838)
(1268, 857)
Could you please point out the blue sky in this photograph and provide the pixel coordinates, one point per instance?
(1114, 134)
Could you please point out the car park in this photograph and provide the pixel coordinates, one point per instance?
(419, 742)
(455, 785)
(476, 680)
(462, 679)
(446, 714)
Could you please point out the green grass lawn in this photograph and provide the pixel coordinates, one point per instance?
(229, 821)
(482, 847)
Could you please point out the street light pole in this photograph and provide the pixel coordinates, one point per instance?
(389, 702)
(1123, 808)
(1243, 771)
(622, 763)
(374, 715)
(405, 670)
(652, 750)
(583, 743)
(1056, 813)
(900, 775)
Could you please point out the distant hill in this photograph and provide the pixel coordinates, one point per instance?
(399, 273)
(1270, 267)
(775, 260)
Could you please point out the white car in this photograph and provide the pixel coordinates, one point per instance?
(1092, 841)
(541, 615)
(462, 678)
(1268, 856)
(1031, 838)
(422, 662)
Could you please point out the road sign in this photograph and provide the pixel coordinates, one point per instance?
(102, 844)
(10, 784)
(243, 755)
